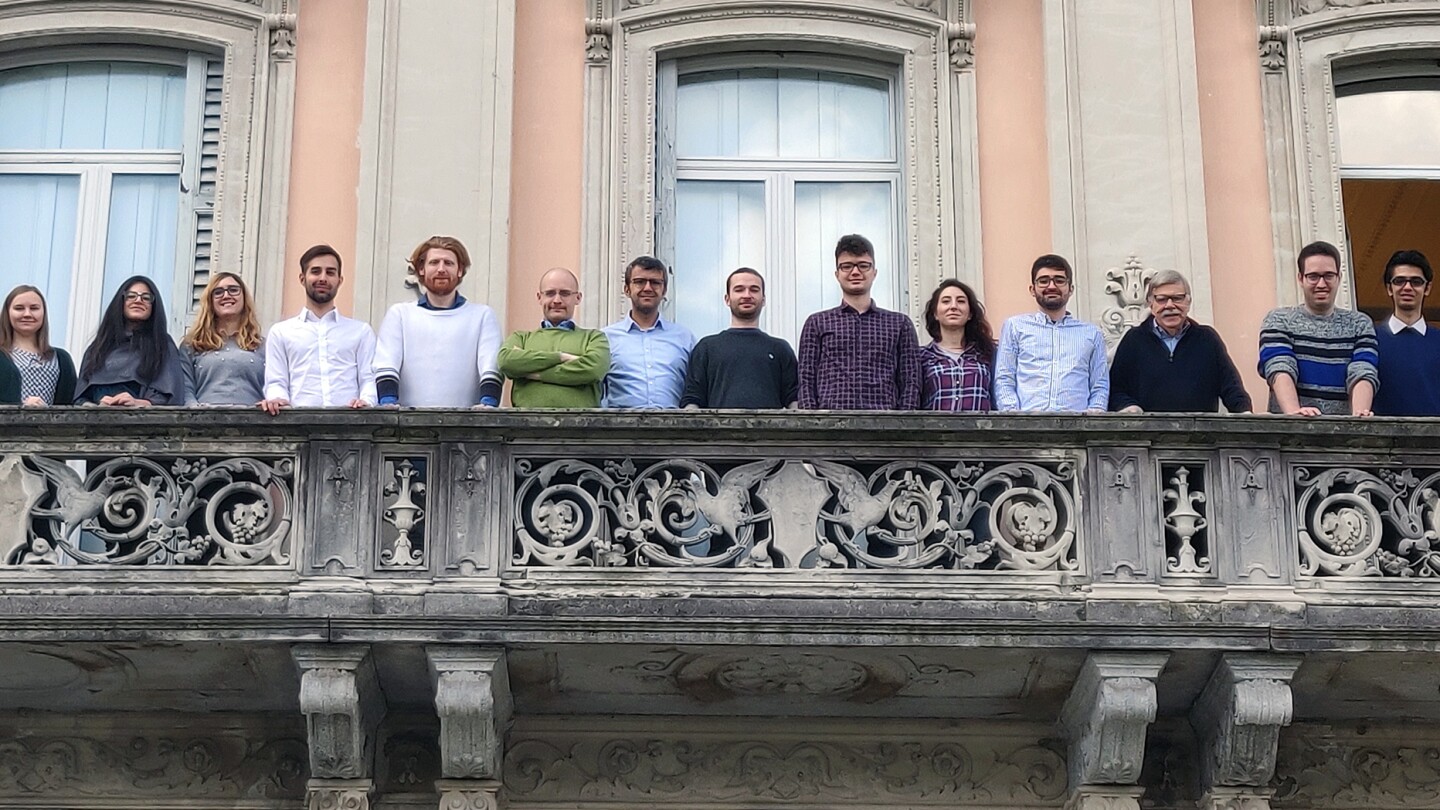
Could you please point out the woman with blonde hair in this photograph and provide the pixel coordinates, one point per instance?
(32, 372)
(224, 352)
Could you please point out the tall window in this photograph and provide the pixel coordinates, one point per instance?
(1387, 115)
(91, 161)
(769, 166)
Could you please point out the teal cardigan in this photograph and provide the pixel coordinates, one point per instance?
(10, 380)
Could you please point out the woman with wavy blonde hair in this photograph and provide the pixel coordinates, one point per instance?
(224, 351)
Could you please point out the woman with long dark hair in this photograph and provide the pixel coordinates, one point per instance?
(32, 372)
(132, 362)
(224, 353)
(958, 367)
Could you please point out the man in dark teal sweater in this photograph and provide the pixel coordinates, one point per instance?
(1409, 349)
(557, 365)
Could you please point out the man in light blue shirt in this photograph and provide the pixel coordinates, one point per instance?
(648, 355)
(1050, 360)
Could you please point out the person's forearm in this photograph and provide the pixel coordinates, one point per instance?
(1362, 397)
(1282, 385)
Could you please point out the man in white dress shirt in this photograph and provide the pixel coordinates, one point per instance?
(1050, 360)
(319, 358)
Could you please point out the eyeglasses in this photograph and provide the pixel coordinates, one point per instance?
(1316, 278)
(850, 267)
(657, 283)
(143, 298)
(231, 291)
(558, 293)
(1408, 281)
(1051, 281)
(1163, 300)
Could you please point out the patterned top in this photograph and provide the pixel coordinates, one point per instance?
(1045, 365)
(862, 361)
(954, 382)
(1326, 355)
(38, 376)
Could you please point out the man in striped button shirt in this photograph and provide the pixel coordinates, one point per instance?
(1050, 360)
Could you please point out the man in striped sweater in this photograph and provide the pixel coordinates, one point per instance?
(1316, 358)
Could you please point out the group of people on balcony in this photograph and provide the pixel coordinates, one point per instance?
(446, 351)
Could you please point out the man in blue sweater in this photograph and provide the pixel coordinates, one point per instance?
(1409, 350)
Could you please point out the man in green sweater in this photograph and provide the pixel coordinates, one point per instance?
(557, 365)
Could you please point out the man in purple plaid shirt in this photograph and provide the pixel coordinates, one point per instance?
(858, 356)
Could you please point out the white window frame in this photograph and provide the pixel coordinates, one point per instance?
(255, 40)
(927, 43)
(96, 169)
(1301, 52)
(780, 175)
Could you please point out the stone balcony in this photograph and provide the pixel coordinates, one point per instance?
(1036, 609)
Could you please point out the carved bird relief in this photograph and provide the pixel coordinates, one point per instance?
(729, 508)
(74, 504)
(860, 509)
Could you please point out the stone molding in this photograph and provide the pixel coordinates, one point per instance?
(256, 39)
(1238, 718)
(928, 42)
(1106, 717)
(435, 155)
(338, 794)
(341, 700)
(469, 794)
(1105, 798)
(1322, 767)
(1126, 181)
(472, 699)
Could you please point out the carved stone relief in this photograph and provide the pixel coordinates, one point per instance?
(779, 513)
(1315, 6)
(638, 769)
(1238, 716)
(342, 704)
(472, 700)
(403, 536)
(1122, 502)
(1321, 770)
(1187, 525)
(226, 765)
(1127, 284)
(133, 510)
(1376, 522)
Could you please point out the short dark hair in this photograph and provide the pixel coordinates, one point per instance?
(751, 271)
(855, 245)
(321, 250)
(1054, 262)
(1317, 248)
(647, 263)
(1414, 258)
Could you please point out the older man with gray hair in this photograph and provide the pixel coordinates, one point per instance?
(1170, 363)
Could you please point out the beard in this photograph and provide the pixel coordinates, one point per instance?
(319, 296)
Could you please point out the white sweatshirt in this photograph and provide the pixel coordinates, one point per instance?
(440, 356)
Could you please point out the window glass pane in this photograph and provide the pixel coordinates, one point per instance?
(144, 209)
(797, 114)
(1392, 128)
(719, 226)
(92, 105)
(823, 213)
(37, 241)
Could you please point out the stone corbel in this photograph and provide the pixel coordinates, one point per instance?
(340, 697)
(961, 36)
(472, 699)
(1105, 720)
(597, 39)
(1273, 39)
(282, 36)
(1238, 717)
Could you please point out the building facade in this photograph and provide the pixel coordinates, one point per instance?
(382, 609)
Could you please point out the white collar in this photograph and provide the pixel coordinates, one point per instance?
(1396, 325)
(332, 316)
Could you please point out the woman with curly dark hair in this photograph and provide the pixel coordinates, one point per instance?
(958, 367)
(132, 362)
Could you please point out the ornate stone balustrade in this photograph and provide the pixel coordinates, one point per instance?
(511, 499)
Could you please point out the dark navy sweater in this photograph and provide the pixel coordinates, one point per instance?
(1196, 379)
(1409, 372)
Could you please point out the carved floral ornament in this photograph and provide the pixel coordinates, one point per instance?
(1368, 523)
(157, 511)
(786, 513)
(1316, 6)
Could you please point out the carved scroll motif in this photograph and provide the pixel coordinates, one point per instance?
(781, 513)
(157, 511)
(1361, 523)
